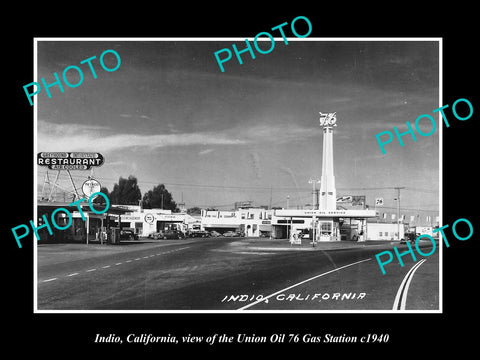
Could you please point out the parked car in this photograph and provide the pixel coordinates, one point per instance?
(214, 233)
(197, 233)
(200, 233)
(409, 236)
(230, 234)
(156, 235)
(128, 235)
(173, 234)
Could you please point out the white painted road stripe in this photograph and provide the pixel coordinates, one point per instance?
(301, 282)
(107, 266)
(252, 253)
(403, 289)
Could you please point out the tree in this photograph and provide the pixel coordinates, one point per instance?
(126, 192)
(194, 211)
(159, 197)
(100, 199)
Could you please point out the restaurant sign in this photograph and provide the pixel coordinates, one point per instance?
(69, 160)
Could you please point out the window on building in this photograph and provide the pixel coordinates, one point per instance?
(250, 216)
(379, 233)
(386, 233)
(243, 215)
(326, 226)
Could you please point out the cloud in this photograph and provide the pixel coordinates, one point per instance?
(77, 137)
(130, 116)
(276, 132)
(204, 152)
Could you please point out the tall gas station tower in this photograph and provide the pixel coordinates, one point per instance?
(328, 193)
(327, 221)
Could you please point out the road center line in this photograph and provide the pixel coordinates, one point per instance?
(403, 289)
(119, 263)
(301, 282)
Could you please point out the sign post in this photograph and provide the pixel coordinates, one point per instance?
(378, 202)
(68, 161)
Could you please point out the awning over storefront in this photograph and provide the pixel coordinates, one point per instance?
(326, 213)
(223, 226)
(49, 206)
(265, 227)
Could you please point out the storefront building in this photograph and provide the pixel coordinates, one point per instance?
(86, 226)
(148, 221)
(323, 225)
(249, 222)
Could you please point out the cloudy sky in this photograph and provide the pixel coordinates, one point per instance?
(169, 115)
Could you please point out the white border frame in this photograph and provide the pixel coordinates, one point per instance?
(93, 39)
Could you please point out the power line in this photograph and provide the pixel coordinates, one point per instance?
(212, 186)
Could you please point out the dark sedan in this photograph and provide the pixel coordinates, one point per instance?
(173, 234)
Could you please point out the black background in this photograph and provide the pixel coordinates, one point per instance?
(65, 335)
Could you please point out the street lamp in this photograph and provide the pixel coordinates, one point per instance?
(398, 210)
(313, 182)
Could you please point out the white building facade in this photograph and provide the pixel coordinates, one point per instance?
(148, 221)
(250, 222)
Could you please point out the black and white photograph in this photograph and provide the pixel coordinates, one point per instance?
(221, 180)
(293, 181)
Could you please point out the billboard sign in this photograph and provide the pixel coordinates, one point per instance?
(355, 200)
(69, 160)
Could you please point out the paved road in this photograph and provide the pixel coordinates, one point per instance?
(230, 274)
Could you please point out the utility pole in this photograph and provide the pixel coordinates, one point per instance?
(314, 206)
(270, 197)
(314, 191)
(398, 210)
